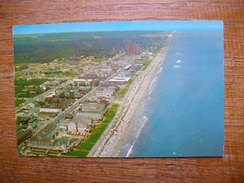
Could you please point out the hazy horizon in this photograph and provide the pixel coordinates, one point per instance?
(118, 26)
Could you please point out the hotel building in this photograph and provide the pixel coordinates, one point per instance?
(131, 49)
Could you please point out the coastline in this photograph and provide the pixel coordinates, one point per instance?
(111, 141)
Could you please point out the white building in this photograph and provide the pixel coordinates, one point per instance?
(79, 124)
(82, 81)
(94, 111)
(127, 67)
(50, 110)
(106, 92)
(105, 68)
(119, 80)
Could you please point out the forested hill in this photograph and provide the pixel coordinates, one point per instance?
(47, 47)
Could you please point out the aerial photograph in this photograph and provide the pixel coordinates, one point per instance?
(128, 89)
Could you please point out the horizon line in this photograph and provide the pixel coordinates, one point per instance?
(118, 26)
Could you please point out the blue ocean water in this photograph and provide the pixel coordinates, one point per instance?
(183, 113)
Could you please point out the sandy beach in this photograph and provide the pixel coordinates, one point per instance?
(111, 141)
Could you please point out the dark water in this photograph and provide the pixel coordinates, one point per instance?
(183, 114)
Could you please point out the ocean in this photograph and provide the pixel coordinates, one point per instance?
(183, 113)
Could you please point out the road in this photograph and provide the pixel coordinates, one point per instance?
(76, 104)
(24, 105)
(68, 110)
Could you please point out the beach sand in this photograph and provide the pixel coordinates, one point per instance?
(111, 141)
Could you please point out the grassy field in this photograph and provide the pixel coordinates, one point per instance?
(19, 101)
(122, 92)
(21, 85)
(84, 148)
(146, 64)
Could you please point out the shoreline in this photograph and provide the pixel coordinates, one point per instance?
(116, 133)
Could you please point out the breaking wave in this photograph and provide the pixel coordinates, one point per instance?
(151, 85)
(177, 66)
(137, 135)
(160, 70)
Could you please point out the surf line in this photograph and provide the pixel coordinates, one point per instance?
(137, 135)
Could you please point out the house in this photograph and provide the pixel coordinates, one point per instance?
(59, 93)
(83, 92)
(94, 82)
(33, 125)
(85, 88)
(65, 103)
(32, 92)
(31, 105)
(24, 121)
(77, 94)
(31, 87)
(51, 99)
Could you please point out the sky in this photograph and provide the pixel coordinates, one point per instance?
(118, 26)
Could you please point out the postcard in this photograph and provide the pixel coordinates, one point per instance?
(120, 89)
